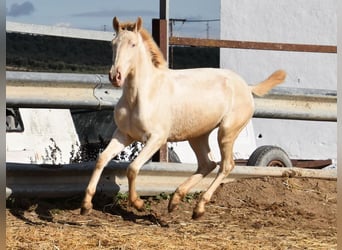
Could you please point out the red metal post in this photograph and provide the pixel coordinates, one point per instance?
(159, 33)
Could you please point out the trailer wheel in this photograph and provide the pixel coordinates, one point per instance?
(272, 156)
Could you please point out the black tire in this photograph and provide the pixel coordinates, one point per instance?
(269, 156)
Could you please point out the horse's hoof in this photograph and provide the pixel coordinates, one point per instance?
(86, 209)
(174, 201)
(138, 204)
(197, 215)
(172, 207)
(198, 211)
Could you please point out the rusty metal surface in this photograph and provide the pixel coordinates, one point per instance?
(313, 164)
(160, 35)
(186, 41)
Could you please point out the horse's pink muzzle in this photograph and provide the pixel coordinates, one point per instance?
(116, 79)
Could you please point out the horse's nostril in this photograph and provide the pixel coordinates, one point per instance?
(118, 77)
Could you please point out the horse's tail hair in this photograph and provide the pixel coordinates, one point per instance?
(263, 87)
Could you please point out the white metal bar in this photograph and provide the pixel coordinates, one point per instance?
(298, 107)
(154, 178)
(56, 90)
(20, 76)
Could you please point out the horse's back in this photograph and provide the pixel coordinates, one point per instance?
(202, 77)
(208, 86)
(202, 97)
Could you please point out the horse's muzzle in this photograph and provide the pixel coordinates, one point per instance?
(116, 79)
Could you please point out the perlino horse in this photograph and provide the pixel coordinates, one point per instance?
(160, 105)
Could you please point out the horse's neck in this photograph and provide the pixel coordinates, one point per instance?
(139, 81)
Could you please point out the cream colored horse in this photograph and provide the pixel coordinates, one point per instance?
(160, 105)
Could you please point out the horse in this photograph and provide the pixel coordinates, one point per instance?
(160, 105)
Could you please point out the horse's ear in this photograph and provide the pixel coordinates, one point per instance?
(116, 24)
(138, 24)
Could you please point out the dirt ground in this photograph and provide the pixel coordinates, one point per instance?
(262, 213)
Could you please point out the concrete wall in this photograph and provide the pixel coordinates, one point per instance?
(285, 21)
(49, 137)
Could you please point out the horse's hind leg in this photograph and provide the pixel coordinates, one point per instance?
(116, 145)
(206, 164)
(228, 132)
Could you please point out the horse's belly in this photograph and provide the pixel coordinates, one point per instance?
(197, 115)
(190, 128)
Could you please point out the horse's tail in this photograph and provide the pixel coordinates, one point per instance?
(263, 87)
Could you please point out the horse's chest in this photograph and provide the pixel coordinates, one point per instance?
(129, 122)
(122, 117)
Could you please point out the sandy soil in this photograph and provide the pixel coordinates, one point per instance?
(262, 213)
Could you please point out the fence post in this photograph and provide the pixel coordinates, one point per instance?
(160, 36)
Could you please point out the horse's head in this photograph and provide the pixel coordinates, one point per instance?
(125, 46)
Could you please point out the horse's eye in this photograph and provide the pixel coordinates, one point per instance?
(133, 45)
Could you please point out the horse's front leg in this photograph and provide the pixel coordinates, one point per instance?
(152, 145)
(118, 142)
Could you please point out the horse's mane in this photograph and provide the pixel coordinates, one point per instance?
(157, 57)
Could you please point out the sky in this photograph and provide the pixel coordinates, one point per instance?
(98, 15)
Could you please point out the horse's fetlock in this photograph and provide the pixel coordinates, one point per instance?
(86, 208)
(180, 193)
(205, 199)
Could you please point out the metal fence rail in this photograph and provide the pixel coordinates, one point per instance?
(182, 41)
(57, 90)
(186, 41)
(298, 104)
(27, 180)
